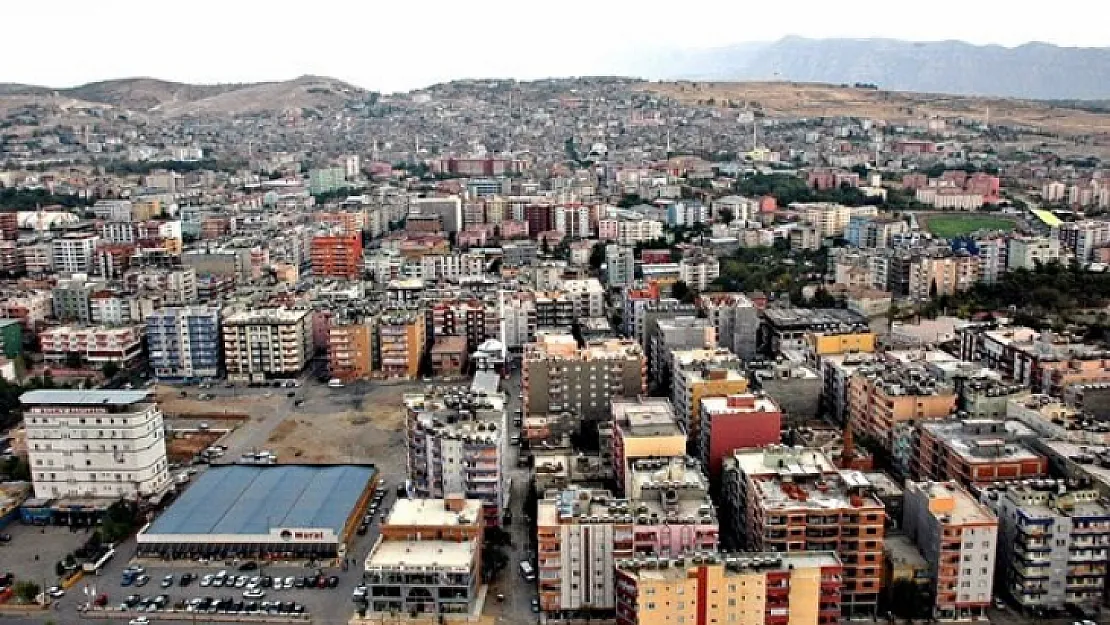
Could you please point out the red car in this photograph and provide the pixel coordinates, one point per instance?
(321, 581)
(101, 600)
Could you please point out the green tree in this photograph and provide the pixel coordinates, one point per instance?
(110, 369)
(726, 215)
(74, 360)
(597, 256)
(26, 591)
(682, 292)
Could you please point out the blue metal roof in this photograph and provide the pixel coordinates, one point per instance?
(241, 499)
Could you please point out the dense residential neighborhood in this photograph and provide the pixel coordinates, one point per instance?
(562, 351)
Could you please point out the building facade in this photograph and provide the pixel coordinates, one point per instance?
(184, 342)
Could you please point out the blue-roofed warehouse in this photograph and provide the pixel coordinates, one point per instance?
(269, 512)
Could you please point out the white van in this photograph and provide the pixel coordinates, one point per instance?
(527, 571)
(335, 383)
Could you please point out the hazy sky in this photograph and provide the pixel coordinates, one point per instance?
(399, 45)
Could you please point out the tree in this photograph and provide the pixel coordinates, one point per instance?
(597, 256)
(73, 360)
(726, 215)
(907, 600)
(110, 369)
(680, 291)
(26, 591)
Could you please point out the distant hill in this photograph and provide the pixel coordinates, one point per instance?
(150, 95)
(1033, 71)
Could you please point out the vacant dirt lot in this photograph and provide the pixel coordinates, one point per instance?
(354, 425)
(255, 405)
(815, 100)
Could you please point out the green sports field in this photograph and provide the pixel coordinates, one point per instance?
(948, 226)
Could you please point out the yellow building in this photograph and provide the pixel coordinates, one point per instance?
(902, 561)
(402, 344)
(701, 373)
(644, 427)
(831, 343)
(748, 589)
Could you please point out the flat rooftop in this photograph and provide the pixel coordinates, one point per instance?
(421, 554)
(645, 417)
(984, 440)
(964, 508)
(250, 500)
(433, 513)
(901, 550)
(83, 398)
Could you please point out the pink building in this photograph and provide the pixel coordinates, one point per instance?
(478, 235)
(655, 257)
(608, 229)
(768, 204)
(321, 327)
(511, 229)
(672, 485)
(913, 182)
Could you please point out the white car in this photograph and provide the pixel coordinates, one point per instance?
(290, 582)
(139, 620)
(56, 592)
(206, 581)
(254, 593)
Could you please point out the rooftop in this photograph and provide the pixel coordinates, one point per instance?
(253, 500)
(902, 552)
(267, 315)
(83, 398)
(828, 319)
(800, 478)
(433, 513)
(675, 568)
(952, 504)
(984, 440)
(645, 417)
(421, 555)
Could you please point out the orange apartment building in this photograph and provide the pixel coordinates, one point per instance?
(749, 588)
(337, 255)
(975, 451)
(351, 351)
(886, 398)
(401, 341)
(957, 536)
(791, 499)
(701, 373)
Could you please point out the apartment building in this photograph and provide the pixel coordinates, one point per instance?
(177, 287)
(644, 427)
(886, 400)
(351, 350)
(1039, 360)
(558, 376)
(267, 343)
(1083, 237)
(457, 446)
(975, 452)
(1053, 544)
(761, 588)
(701, 373)
(582, 533)
(401, 341)
(830, 220)
(620, 266)
(70, 298)
(337, 255)
(736, 421)
(790, 500)
(1029, 252)
(94, 344)
(184, 342)
(475, 320)
(517, 311)
(587, 297)
(95, 443)
(427, 561)
(74, 252)
(629, 230)
(958, 536)
(736, 319)
(669, 335)
(699, 271)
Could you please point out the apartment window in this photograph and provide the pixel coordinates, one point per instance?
(651, 605)
(969, 545)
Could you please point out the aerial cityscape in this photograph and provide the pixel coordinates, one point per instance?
(811, 331)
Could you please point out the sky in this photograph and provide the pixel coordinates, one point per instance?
(400, 45)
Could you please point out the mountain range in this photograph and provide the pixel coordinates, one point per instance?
(1033, 71)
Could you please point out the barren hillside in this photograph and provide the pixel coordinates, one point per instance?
(816, 100)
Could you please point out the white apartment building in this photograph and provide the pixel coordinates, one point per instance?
(742, 208)
(830, 220)
(518, 318)
(96, 344)
(699, 271)
(587, 297)
(449, 266)
(573, 221)
(274, 342)
(104, 444)
(177, 286)
(620, 265)
(1028, 252)
(74, 253)
(1083, 237)
(629, 231)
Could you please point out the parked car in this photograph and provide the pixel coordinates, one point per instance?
(333, 582)
(254, 593)
(56, 591)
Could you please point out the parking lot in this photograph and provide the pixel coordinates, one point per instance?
(33, 551)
